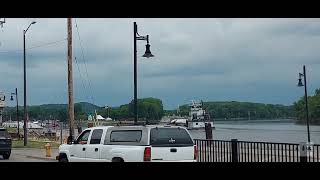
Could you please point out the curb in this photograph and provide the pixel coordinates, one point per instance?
(42, 158)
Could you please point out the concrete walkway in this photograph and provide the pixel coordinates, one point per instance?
(30, 155)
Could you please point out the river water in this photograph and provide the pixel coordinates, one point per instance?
(285, 132)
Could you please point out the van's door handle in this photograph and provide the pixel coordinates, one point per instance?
(96, 149)
(83, 149)
(173, 150)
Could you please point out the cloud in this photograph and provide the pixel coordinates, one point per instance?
(212, 59)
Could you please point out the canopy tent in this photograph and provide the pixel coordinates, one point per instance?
(108, 119)
(99, 117)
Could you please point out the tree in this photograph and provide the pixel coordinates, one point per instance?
(314, 109)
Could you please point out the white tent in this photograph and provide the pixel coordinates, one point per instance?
(108, 119)
(99, 117)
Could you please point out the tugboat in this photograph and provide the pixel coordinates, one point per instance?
(198, 117)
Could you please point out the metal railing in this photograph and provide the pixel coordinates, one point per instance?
(246, 151)
(315, 154)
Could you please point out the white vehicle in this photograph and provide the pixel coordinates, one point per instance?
(130, 144)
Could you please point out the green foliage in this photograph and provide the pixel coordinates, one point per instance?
(52, 111)
(313, 107)
(148, 108)
(152, 109)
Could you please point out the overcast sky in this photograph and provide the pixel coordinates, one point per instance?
(252, 60)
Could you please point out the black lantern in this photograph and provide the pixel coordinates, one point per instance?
(300, 84)
(148, 53)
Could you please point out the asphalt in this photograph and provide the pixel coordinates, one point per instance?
(30, 155)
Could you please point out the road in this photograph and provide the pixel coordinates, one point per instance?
(29, 155)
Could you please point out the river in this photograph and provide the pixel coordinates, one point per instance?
(285, 132)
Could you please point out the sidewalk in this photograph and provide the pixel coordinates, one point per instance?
(35, 153)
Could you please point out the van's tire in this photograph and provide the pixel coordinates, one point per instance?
(117, 159)
(63, 158)
(6, 155)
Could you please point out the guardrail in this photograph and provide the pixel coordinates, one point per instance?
(246, 151)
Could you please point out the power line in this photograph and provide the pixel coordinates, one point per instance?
(85, 64)
(37, 46)
(48, 44)
(82, 80)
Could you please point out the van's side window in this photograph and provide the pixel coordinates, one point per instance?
(83, 138)
(126, 136)
(96, 136)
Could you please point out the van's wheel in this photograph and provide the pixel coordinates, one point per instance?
(63, 158)
(7, 155)
(117, 160)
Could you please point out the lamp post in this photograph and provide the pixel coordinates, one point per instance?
(147, 54)
(306, 96)
(2, 103)
(17, 116)
(107, 108)
(25, 127)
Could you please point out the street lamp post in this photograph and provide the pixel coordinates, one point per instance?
(306, 96)
(107, 107)
(17, 116)
(147, 54)
(25, 127)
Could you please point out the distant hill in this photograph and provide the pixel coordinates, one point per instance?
(88, 108)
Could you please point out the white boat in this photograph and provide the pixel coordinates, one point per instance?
(198, 117)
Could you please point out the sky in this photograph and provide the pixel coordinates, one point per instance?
(248, 60)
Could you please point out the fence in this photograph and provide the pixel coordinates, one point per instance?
(245, 151)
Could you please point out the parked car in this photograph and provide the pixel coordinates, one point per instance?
(131, 144)
(5, 143)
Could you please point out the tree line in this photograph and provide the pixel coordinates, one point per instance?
(241, 110)
(313, 107)
(148, 108)
(152, 109)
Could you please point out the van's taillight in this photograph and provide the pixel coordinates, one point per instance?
(147, 154)
(195, 156)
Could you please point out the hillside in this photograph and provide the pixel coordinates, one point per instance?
(86, 107)
(49, 111)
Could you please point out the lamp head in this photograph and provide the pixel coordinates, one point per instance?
(300, 83)
(148, 53)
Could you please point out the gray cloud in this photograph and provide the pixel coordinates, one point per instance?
(212, 59)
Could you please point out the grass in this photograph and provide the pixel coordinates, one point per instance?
(14, 130)
(33, 144)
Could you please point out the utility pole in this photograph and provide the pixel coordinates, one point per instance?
(70, 82)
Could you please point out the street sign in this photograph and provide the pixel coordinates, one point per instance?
(306, 148)
(303, 149)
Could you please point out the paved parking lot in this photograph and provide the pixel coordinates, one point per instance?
(29, 155)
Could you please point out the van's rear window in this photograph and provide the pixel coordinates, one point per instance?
(170, 137)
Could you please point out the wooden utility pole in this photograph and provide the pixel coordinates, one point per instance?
(70, 81)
